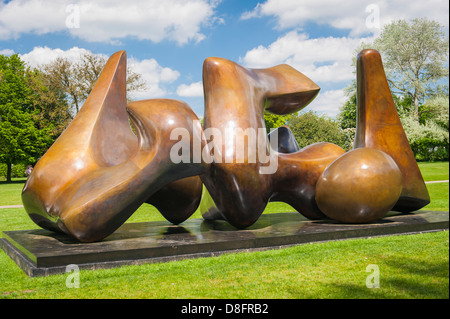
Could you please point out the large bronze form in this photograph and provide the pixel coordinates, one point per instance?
(235, 101)
(99, 171)
(381, 172)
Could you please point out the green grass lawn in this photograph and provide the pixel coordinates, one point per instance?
(10, 193)
(411, 266)
(434, 171)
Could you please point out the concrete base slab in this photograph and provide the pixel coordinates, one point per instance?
(39, 252)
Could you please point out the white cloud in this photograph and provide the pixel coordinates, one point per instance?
(154, 75)
(322, 59)
(43, 55)
(328, 60)
(191, 90)
(109, 20)
(30, 15)
(328, 102)
(355, 15)
(7, 52)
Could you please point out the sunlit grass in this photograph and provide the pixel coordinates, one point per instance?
(434, 171)
(410, 266)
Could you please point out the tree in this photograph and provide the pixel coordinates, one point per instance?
(50, 108)
(415, 57)
(347, 115)
(20, 140)
(429, 141)
(77, 79)
(309, 128)
(273, 121)
(436, 109)
(429, 137)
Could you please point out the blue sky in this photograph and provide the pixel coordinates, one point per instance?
(167, 41)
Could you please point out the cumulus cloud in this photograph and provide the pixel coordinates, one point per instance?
(359, 17)
(43, 55)
(322, 59)
(155, 76)
(7, 52)
(191, 90)
(109, 20)
(328, 102)
(328, 60)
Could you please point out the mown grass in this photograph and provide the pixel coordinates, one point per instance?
(434, 171)
(10, 193)
(439, 197)
(411, 266)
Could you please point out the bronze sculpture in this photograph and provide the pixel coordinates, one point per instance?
(379, 128)
(99, 172)
(235, 99)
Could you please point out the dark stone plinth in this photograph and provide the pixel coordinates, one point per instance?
(39, 252)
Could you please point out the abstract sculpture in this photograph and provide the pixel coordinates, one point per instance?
(235, 99)
(392, 182)
(99, 172)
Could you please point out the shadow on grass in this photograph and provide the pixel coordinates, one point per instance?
(402, 278)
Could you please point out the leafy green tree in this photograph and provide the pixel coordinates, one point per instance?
(429, 141)
(77, 79)
(20, 140)
(347, 115)
(429, 137)
(348, 111)
(50, 108)
(415, 57)
(274, 121)
(309, 128)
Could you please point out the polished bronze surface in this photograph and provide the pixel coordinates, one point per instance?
(98, 172)
(379, 126)
(286, 140)
(381, 172)
(235, 100)
(178, 200)
(360, 186)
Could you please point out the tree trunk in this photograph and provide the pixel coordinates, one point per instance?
(416, 107)
(8, 172)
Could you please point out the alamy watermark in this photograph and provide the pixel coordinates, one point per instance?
(373, 280)
(232, 145)
(373, 19)
(73, 17)
(73, 279)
